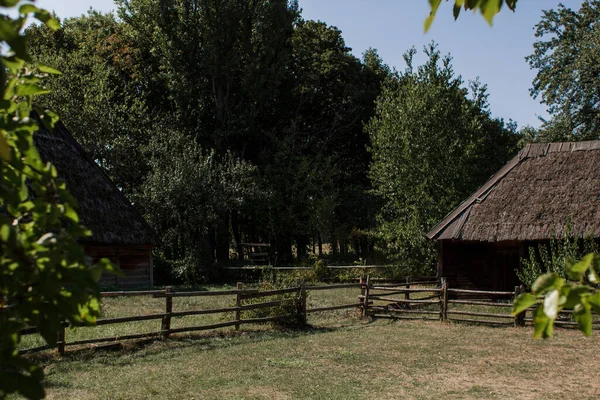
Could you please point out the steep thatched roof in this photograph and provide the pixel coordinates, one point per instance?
(102, 208)
(533, 197)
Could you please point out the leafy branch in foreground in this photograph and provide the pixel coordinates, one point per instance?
(575, 293)
(45, 278)
(488, 8)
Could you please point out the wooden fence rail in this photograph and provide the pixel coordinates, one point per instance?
(378, 300)
(242, 296)
(445, 302)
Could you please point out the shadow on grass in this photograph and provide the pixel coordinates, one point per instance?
(128, 350)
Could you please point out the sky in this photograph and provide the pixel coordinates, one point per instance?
(494, 54)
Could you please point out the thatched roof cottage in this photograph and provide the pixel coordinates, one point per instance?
(528, 201)
(119, 232)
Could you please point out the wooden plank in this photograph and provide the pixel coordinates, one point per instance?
(480, 314)
(29, 330)
(337, 286)
(203, 312)
(404, 300)
(238, 305)
(480, 321)
(481, 303)
(263, 319)
(256, 294)
(126, 293)
(35, 349)
(208, 293)
(115, 338)
(341, 307)
(388, 316)
(119, 320)
(204, 327)
(356, 266)
(494, 293)
(405, 290)
(401, 311)
(263, 305)
(165, 325)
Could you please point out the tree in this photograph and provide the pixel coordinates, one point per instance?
(488, 8)
(99, 95)
(432, 145)
(567, 57)
(45, 278)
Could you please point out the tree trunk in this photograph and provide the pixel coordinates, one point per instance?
(237, 236)
(301, 245)
(283, 247)
(223, 238)
(356, 246)
(320, 241)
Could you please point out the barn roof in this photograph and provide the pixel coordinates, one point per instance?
(546, 187)
(102, 207)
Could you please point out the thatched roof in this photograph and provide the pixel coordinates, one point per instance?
(102, 207)
(533, 197)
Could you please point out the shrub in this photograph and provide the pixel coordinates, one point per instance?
(551, 258)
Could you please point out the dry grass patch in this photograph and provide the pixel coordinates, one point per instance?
(355, 360)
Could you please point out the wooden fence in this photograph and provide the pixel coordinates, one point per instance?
(242, 296)
(412, 299)
(447, 304)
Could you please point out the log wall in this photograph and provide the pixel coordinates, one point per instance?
(134, 261)
(479, 265)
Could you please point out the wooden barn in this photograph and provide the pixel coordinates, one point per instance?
(527, 202)
(119, 232)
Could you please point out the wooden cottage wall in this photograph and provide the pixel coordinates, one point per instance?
(479, 265)
(134, 261)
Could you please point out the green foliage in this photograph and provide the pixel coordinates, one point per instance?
(249, 82)
(577, 292)
(432, 145)
(291, 304)
(185, 194)
(551, 258)
(566, 57)
(487, 8)
(45, 278)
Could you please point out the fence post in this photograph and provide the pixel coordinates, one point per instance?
(303, 302)
(166, 321)
(238, 304)
(60, 342)
(444, 294)
(519, 318)
(407, 294)
(366, 297)
(362, 291)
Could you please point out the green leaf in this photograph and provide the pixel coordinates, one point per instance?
(28, 8)
(593, 276)
(546, 282)
(574, 296)
(551, 304)
(489, 9)
(14, 64)
(434, 7)
(8, 3)
(583, 316)
(29, 89)
(577, 269)
(540, 324)
(49, 70)
(4, 147)
(523, 302)
(594, 301)
(70, 213)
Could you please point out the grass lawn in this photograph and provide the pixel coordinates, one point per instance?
(341, 357)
